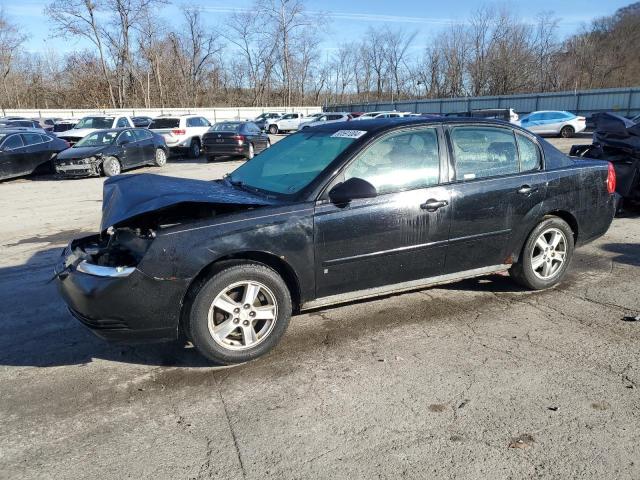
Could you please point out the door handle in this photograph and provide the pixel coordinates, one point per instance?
(526, 190)
(432, 204)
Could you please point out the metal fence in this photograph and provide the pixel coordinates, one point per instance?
(625, 101)
(212, 114)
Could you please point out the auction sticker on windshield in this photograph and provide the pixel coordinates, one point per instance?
(349, 133)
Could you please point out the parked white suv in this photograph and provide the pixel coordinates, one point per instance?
(182, 132)
(286, 123)
(92, 123)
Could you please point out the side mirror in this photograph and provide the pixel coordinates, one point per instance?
(351, 189)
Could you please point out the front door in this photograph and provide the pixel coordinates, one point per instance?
(399, 236)
(496, 195)
(13, 157)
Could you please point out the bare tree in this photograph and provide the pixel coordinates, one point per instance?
(10, 40)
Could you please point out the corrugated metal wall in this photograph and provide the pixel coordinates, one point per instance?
(625, 101)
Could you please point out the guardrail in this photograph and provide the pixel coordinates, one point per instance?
(625, 101)
(213, 114)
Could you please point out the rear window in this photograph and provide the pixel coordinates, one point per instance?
(226, 127)
(165, 123)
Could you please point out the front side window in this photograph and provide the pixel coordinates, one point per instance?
(482, 152)
(289, 116)
(400, 161)
(12, 142)
(292, 163)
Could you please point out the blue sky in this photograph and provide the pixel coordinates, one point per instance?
(348, 19)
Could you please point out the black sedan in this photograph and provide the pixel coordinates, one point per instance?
(109, 152)
(234, 138)
(24, 151)
(331, 214)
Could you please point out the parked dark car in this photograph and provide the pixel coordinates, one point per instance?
(263, 119)
(64, 125)
(111, 151)
(617, 140)
(141, 122)
(24, 151)
(327, 215)
(234, 138)
(25, 123)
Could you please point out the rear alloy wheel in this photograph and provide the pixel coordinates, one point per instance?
(273, 129)
(545, 256)
(161, 157)
(111, 166)
(567, 131)
(194, 149)
(240, 313)
(252, 152)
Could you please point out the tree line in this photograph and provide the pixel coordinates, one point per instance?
(270, 54)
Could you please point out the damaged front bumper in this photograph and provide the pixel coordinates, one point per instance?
(78, 168)
(118, 303)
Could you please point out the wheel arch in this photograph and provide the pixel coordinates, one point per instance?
(567, 217)
(278, 264)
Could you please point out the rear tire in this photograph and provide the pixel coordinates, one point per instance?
(252, 152)
(546, 255)
(111, 167)
(194, 148)
(160, 159)
(567, 131)
(227, 326)
(273, 129)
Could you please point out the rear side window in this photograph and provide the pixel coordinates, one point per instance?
(529, 154)
(13, 142)
(142, 134)
(165, 123)
(401, 161)
(31, 138)
(482, 152)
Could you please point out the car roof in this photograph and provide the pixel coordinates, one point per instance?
(381, 124)
(22, 130)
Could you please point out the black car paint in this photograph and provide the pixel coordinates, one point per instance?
(322, 249)
(29, 158)
(131, 155)
(219, 143)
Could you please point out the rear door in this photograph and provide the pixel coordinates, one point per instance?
(145, 143)
(399, 236)
(498, 186)
(37, 151)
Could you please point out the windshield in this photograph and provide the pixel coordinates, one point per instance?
(97, 139)
(95, 122)
(226, 127)
(291, 164)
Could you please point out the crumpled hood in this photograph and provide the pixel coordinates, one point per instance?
(128, 196)
(613, 130)
(80, 152)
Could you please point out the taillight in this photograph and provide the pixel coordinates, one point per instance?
(582, 119)
(239, 138)
(611, 179)
(179, 131)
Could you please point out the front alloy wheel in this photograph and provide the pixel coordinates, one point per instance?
(161, 157)
(242, 315)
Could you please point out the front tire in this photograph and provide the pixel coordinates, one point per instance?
(111, 167)
(546, 255)
(273, 129)
(240, 313)
(567, 131)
